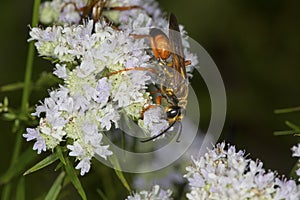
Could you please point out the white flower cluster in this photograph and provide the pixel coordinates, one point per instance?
(72, 11)
(105, 72)
(296, 153)
(227, 174)
(155, 194)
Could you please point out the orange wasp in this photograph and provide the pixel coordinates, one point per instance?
(175, 94)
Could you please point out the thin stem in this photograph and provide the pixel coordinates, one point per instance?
(29, 62)
(25, 96)
(27, 79)
(287, 110)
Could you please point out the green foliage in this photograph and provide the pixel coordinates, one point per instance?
(294, 128)
(56, 187)
(73, 176)
(43, 163)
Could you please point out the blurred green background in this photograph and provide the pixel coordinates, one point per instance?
(255, 44)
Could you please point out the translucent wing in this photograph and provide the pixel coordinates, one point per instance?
(176, 47)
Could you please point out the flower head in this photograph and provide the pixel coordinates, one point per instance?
(227, 174)
(105, 71)
(155, 194)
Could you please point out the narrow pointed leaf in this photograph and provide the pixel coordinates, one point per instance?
(56, 187)
(20, 194)
(101, 194)
(113, 159)
(43, 163)
(12, 87)
(287, 110)
(74, 178)
(59, 165)
(278, 133)
(60, 155)
(292, 126)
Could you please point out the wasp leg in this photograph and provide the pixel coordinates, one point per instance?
(156, 136)
(129, 69)
(123, 8)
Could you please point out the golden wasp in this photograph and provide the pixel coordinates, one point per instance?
(174, 90)
(175, 97)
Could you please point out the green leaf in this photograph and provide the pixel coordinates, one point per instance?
(74, 178)
(114, 161)
(278, 133)
(43, 163)
(19, 165)
(60, 155)
(59, 165)
(20, 194)
(16, 126)
(5, 102)
(9, 116)
(101, 194)
(287, 110)
(292, 126)
(12, 87)
(6, 191)
(56, 187)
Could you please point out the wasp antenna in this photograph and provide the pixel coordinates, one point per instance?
(156, 136)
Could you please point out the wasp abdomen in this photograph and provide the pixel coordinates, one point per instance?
(160, 44)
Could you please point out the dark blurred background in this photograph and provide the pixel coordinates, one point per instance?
(255, 44)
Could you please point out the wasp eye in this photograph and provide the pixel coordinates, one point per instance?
(173, 112)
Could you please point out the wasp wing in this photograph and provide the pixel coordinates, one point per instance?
(176, 47)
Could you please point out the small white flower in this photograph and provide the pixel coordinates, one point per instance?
(33, 134)
(296, 150)
(60, 71)
(103, 151)
(84, 165)
(102, 91)
(110, 115)
(76, 150)
(48, 13)
(69, 14)
(156, 193)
